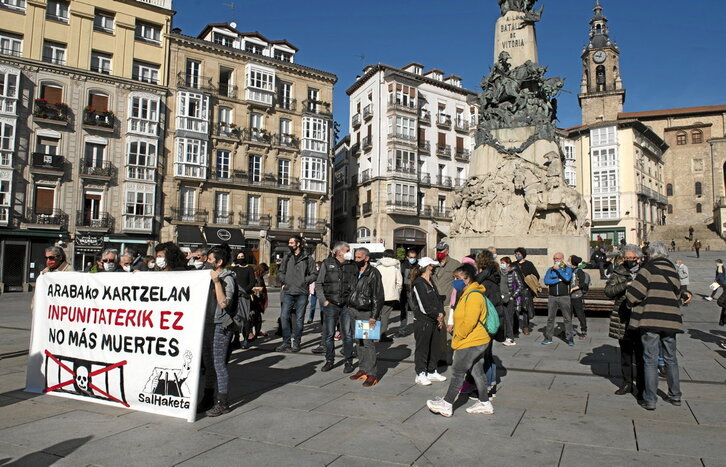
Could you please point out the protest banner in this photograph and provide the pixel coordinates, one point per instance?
(130, 340)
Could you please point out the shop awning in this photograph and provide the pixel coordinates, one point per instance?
(188, 235)
(217, 236)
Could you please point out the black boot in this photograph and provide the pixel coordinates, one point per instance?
(624, 389)
(207, 401)
(221, 407)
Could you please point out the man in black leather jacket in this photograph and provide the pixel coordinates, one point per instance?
(365, 303)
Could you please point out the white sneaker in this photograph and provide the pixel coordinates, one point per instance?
(509, 342)
(422, 379)
(708, 298)
(440, 406)
(480, 407)
(435, 377)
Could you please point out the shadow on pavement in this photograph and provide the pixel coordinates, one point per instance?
(42, 457)
(598, 360)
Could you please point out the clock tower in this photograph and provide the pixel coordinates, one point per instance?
(601, 91)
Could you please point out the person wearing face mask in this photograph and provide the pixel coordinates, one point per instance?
(531, 279)
(513, 290)
(631, 348)
(109, 258)
(169, 257)
(558, 278)
(125, 262)
(366, 303)
(443, 278)
(137, 261)
(297, 271)
(333, 287)
(428, 322)
(408, 264)
(150, 262)
(55, 260)
(199, 258)
(245, 277)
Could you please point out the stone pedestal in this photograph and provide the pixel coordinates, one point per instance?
(540, 248)
(485, 158)
(515, 37)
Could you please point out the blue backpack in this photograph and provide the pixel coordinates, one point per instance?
(492, 319)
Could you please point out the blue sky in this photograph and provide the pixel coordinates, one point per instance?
(671, 50)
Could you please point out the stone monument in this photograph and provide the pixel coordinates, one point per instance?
(516, 193)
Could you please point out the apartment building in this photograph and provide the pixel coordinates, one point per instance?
(249, 140)
(411, 136)
(81, 116)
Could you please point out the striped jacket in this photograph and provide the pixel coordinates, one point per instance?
(654, 295)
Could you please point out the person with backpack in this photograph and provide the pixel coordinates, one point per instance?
(221, 307)
(470, 342)
(558, 279)
(428, 322)
(578, 288)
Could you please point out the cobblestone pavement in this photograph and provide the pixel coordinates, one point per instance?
(555, 406)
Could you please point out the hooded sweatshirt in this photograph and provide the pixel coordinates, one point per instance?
(470, 313)
(390, 269)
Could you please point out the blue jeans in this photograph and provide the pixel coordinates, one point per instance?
(469, 360)
(288, 302)
(331, 314)
(653, 342)
(313, 304)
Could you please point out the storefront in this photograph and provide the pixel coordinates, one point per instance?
(409, 238)
(217, 236)
(607, 236)
(85, 248)
(189, 236)
(22, 255)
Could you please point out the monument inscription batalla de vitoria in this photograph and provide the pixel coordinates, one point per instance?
(516, 188)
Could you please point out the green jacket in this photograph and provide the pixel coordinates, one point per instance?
(620, 314)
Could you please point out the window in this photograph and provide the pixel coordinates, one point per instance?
(401, 94)
(13, 4)
(7, 142)
(605, 207)
(681, 138)
(224, 159)
(315, 134)
(253, 48)
(191, 158)
(225, 120)
(669, 189)
(670, 209)
(604, 157)
(698, 189)
(4, 199)
(188, 204)
(97, 101)
(460, 179)
(193, 70)
(311, 214)
(146, 72)
(283, 211)
(103, 21)
(144, 115)
(57, 10)
(254, 169)
(257, 121)
(148, 32)
(283, 172)
(285, 131)
(226, 82)
(603, 136)
(284, 95)
(314, 174)
(402, 195)
(221, 208)
(605, 182)
(101, 62)
(192, 112)
(54, 52)
(313, 99)
(260, 84)
(696, 137)
(44, 200)
(699, 208)
(141, 160)
(405, 161)
(283, 56)
(253, 209)
(363, 235)
(405, 128)
(223, 39)
(94, 155)
(11, 44)
(92, 208)
(47, 145)
(9, 91)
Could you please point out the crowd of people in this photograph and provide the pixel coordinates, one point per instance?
(458, 308)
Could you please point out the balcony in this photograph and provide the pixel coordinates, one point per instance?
(312, 224)
(138, 223)
(100, 121)
(402, 106)
(443, 151)
(102, 221)
(193, 216)
(256, 135)
(443, 121)
(286, 103)
(286, 141)
(367, 209)
(367, 144)
(402, 207)
(227, 90)
(55, 114)
(143, 126)
(255, 221)
(284, 222)
(227, 130)
(223, 218)
(641, 190)
(424, 147)
(425, 117)
(442, 213)
(402, 170)
(459, 182)
(462, 155)
(103, 170)
(356, 120)
(192, 81)
(47, 163)
(403, 138)
(241, 178)
(165, 4)
(367, 112)
(50, 218)
(444, 181)
(317, 107)
(461, 126)
(424, 179)
(365, 176)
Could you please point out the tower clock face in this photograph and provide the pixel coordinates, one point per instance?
(600, 56)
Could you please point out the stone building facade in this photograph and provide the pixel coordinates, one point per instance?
(81, 109)
(249, 144)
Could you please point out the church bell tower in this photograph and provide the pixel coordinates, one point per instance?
(601, 91)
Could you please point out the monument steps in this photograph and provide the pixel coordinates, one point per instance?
(710, 240)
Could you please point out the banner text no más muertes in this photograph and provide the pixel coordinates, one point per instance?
(130, 340)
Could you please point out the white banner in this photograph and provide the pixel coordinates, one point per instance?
(131, 340)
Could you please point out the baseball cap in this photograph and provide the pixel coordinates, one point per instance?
(424, 262)
(442, 246)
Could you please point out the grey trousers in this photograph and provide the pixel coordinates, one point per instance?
(386, 316)
(562, 304)
(366, 348)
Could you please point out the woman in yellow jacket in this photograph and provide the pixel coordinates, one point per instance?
(470, 343)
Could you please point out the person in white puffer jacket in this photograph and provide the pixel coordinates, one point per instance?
(390, 269)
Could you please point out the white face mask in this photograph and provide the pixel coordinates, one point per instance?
(348, 256)
(109, 267)
(127, 268)
(152, 265)
(494, 255)
(557, 263)
(199, 264)
(161, 262)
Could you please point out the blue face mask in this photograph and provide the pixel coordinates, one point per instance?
(458, 285)
(412, 260)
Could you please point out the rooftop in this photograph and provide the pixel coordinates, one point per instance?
(707, 109)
